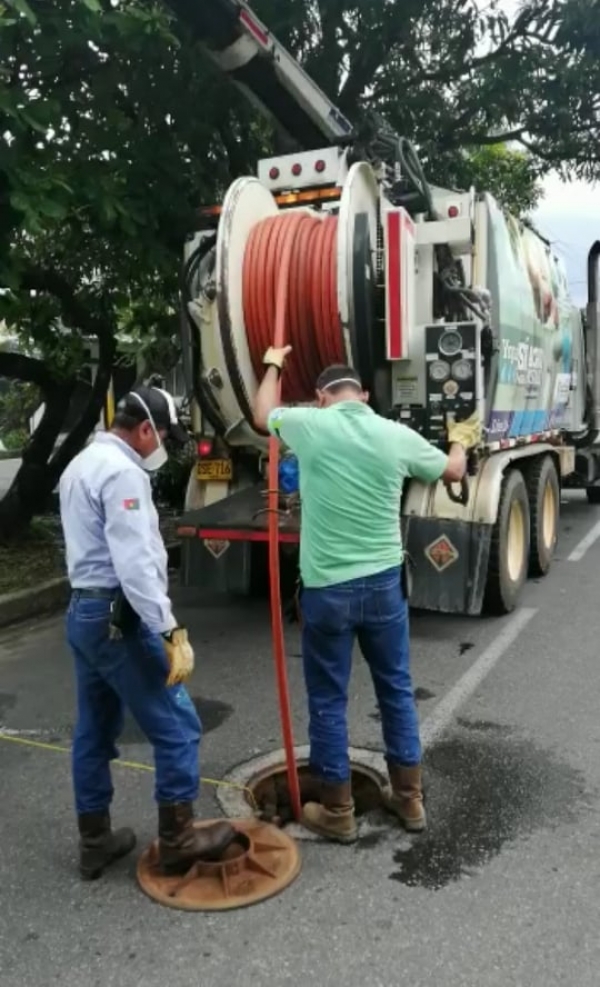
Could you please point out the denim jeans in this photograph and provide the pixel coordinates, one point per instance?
(372, 609)
(112, 675)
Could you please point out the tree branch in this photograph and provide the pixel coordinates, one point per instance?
(16, 366)
(76, 312)
(76, 438)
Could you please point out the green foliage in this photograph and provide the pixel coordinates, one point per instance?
(18, 402)
(510, 174)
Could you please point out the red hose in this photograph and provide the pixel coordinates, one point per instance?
(299, 249)
(289, 285)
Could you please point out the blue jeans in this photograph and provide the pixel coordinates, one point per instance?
(112, 675)
(372, 609)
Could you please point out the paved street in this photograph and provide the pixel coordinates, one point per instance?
(503, 890)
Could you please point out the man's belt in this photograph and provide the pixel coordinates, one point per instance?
(95, 593)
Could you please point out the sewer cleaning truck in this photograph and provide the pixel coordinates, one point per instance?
(443, 302)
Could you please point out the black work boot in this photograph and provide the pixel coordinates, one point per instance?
(99, 846)
(181, 845)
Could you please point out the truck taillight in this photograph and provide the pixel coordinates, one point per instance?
(273, 174)
(320, 165)
(453, 212)
(296, 169)
(205, 447)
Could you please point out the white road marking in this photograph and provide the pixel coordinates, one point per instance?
(440, 718)
(585, 543)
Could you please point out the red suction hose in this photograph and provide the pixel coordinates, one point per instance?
(289, 285)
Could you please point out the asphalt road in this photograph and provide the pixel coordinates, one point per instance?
(503, 890)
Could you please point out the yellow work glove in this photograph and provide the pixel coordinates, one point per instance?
(275, 356)
(467, 434)
(180, 655)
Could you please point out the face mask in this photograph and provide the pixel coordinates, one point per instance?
(158, 458)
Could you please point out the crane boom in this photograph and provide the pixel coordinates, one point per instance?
(245, 50)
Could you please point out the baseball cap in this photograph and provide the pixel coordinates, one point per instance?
(336, 375)
(159, 404)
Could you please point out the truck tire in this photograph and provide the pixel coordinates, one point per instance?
(593, 495)
(509, 552)
(544, 507)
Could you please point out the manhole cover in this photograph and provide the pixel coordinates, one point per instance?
(259, 864)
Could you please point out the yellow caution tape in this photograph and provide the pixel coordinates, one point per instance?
(134, 765)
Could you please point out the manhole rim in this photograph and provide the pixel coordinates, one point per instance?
(233, 800)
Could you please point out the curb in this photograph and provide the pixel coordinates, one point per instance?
(46, 598)
(34, 602)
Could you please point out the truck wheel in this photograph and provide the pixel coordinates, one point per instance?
(544, 506)
(593, 495)
(509, 552)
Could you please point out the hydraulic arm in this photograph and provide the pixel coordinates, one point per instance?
(246, 51)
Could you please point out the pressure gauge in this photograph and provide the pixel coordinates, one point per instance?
(462, 370)
(450, 342)
(439, 370)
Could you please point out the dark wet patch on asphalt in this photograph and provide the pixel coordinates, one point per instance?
(422, 694)
(465, 646)
(212, 712)
(485, 789)
(484, 726)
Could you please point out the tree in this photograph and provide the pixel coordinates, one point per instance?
(99, 180)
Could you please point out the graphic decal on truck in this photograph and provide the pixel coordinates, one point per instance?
(532, 318)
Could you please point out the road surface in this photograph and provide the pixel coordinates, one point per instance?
(503, 890)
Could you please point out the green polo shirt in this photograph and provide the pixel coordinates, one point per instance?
(352, 464)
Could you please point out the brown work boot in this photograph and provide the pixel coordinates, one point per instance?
(333, 816)
(181, 844)
(404, 797)
(99, 846)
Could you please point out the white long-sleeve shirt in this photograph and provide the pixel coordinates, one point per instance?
(111, 529)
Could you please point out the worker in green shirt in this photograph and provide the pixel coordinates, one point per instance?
(352, 466)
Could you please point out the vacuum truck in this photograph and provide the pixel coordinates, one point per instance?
(443, 302)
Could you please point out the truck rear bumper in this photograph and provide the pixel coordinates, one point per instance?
(243, 516)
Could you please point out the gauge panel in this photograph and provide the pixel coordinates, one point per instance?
(451, 356)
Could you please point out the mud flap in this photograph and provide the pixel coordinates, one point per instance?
(226, 568)
(450, 563)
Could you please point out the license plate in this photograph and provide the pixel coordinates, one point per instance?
(214, 469)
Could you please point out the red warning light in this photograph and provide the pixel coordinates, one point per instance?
(320, 165)
(204, 447)
(453, 212)
(297, 169)
(273, 174)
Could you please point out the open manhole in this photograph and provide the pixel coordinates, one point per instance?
(269, 792)
(260, 788)
(261, 862)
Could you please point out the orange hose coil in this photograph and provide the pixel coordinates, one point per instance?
(311, 320)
